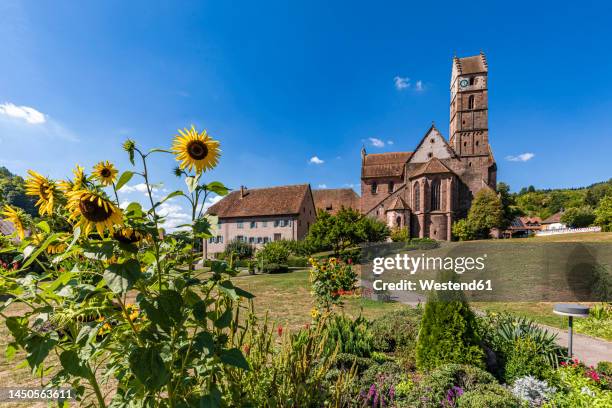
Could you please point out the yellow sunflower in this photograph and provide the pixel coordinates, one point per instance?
(18, 218)
(92, 209)
(79, 182)
(105, 173)
(128, 235)
(195, 150)
(43, 188)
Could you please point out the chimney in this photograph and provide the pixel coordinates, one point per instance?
(242, 191)
(363, 153)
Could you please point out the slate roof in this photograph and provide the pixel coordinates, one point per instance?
(472, 65)
(6, 227)
(433, 166)
(384, 164)
(332, 199)
(281, 200)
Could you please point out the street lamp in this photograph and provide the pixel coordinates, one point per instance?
(571, 311)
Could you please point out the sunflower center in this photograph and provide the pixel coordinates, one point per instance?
(93, 212)
(105, 173)
(197, 150)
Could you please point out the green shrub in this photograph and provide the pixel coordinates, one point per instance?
(390, 372)
(274, 252)
(433, 388)
(397, 329)
(400, 234)
(422, 243)
(297, 262)
(488, 396)
(239, 249)
(448, 333)
(605, 367)
(345, 361)
(275, 268)
(524, 359)
(350, 336)
(577, 390)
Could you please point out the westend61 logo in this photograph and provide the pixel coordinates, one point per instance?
(412, 264)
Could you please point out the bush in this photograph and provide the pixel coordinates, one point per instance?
(524, 359)
(462, 231)
(378, 383)
(580, 388)
(297, 262)
(274, 252)
(395, 330)
(532, 391)
(239, 249)
(434, 387)
(399, 234)
(488, 396)
(350, 336)
(448, 333)
(605, 367)
(578, 217)
(328, 280)
(275, 268)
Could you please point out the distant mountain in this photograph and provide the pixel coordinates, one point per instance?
(12, 191)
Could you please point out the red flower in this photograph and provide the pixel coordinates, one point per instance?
(350, 261)
(246, 349)
(280, 331)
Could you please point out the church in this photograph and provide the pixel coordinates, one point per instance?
(426, 190)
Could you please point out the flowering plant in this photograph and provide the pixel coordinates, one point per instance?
(329, 279)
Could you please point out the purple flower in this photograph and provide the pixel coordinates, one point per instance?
(392, 393)
(372, 391)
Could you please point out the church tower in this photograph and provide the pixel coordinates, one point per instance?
(469, 107)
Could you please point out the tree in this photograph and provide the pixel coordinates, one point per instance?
(578, 217)
(486, 213)
(508, 201)
(462, 230)
(603, 213)
(346, 229)
(239, 249)
(12, 192)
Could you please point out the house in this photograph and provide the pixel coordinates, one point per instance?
(258, 216)
(332, 200)
(553, 222)
(428, 189)
(523, 226)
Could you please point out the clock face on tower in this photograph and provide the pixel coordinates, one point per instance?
(463, 83)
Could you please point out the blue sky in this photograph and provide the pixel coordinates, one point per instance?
(282, 82)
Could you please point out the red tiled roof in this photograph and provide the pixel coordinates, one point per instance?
(398, 204)
(384, 164)
(332, 199)
(553, 219)
(472, 65)
(281, 200)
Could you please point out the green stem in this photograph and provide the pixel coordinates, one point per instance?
(96, 387)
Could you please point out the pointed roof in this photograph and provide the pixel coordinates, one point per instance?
(472, 65)
(384, 164)
(398, 204)
(430, 130)
(433, 166)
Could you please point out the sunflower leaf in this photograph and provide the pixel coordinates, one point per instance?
(44, 246)
(123, 179)
(158, 150)
(44, 227)
(192, 182)
(121, 277)
(217, 187)
(172, 195)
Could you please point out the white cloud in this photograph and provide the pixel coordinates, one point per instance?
(419, 85)
(376, 142)
(322, 186)
(26, 113)
(315, 160)
(401, 82)
(389, 142)
(521, 157)
(211, 201)
(139, 188)
(174, 215)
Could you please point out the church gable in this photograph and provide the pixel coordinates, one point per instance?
(432, 145)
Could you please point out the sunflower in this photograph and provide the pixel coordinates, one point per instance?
(92, 209)
(128, 235)
(80, 180)
(18, 218)
(195, 150)
(105, 173)
(43, 188)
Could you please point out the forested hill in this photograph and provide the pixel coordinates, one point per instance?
(12, 191)
(544, 203)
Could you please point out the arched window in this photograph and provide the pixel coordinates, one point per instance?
(435, 195)
(471, 102)
(417, 197)
(374, 187)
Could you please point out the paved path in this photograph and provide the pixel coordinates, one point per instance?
(588, 349)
